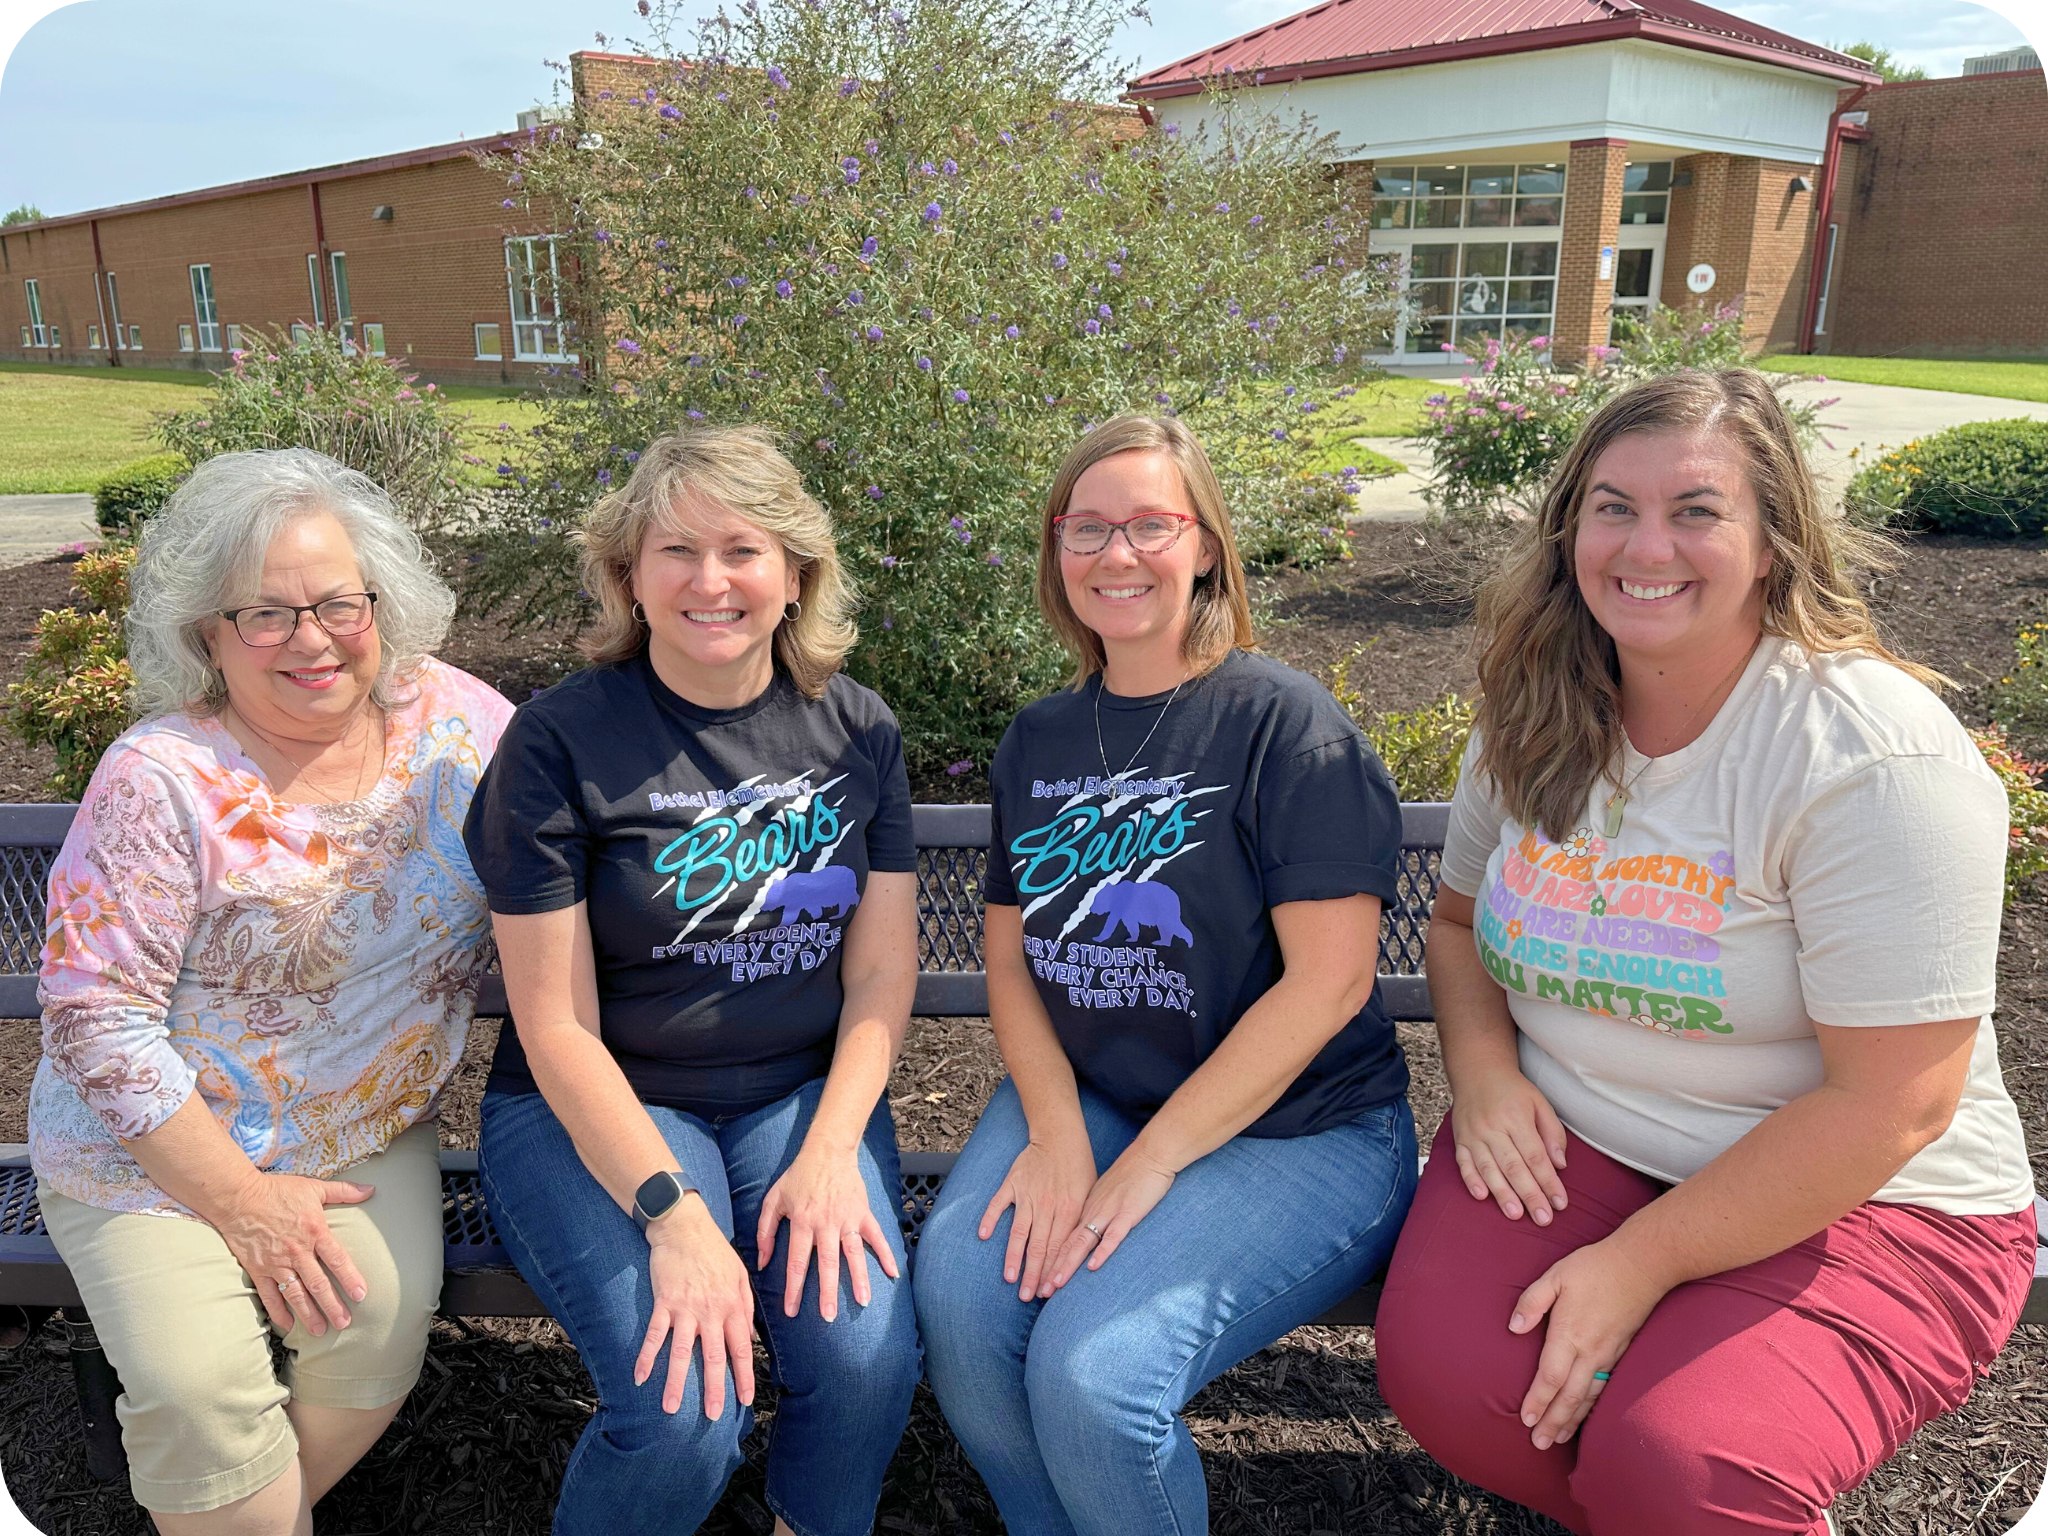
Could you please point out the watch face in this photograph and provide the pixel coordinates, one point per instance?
(655, 1198)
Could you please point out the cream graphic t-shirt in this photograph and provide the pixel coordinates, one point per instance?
(1830, 849)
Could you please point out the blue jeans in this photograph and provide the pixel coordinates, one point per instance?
(1069, 1408)
(844, 1387)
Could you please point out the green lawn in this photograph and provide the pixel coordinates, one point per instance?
(61, 428)
(2009, 379)
(63, 431)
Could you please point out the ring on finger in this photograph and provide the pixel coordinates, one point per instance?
(287, 1280)
(1602, 1375)
(1091, 1227)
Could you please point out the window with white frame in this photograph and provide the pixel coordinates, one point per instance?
(25, 342)
(204, 314)
(1467, 196)
(134, 338)
(313, 282)
(184, 336)
(114, 313)
(56, 338)
(37, 334)
(344, 311)
(490, 342)
(1645, 192)
(373, 337)
(1478, 245)
(302, 334)
(234, 338)
(533, 274)
(92, 338)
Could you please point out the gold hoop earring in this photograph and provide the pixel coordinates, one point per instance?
(639, 614)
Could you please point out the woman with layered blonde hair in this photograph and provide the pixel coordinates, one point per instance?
(701, 871)
(1731, 1198)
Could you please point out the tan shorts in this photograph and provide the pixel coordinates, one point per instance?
(202, 1411)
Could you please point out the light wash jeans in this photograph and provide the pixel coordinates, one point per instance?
(844, 1387)
(1069, 1408)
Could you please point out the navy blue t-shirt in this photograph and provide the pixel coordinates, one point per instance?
(721, 852)
(1148, 902)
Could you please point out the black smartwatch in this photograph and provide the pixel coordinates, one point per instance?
(657, 1197)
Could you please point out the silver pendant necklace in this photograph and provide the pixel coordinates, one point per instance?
(1103, 752)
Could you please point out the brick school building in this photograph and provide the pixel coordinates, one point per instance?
(1531, 166)
(1538, 166)
(411, 256)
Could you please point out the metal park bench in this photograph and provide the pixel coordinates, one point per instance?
(480, 1281)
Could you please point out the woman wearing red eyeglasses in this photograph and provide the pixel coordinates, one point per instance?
(1204, 1140)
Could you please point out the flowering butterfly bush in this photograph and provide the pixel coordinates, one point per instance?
(917, 244)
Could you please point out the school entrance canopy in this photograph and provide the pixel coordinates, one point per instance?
(1537, 165)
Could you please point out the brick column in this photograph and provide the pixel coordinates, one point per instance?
(1354, 183)
(1592, 219)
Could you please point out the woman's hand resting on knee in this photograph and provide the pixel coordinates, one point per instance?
(1048, 1184)
(1597, 1297)
(825, 1201)
(1510, 1144)
(701, 1294)
(275, 1224)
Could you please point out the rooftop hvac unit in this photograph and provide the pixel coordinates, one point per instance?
(2000, 63)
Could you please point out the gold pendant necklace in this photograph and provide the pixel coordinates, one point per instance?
(1617, 803)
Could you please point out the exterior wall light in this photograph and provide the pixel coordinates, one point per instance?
(1801, 184)
(383, 212)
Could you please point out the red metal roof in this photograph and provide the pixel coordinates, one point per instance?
(1343, 37)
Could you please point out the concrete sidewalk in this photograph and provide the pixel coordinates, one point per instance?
(36, 527)
(1865, 421)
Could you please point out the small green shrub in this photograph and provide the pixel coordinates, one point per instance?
(1301, 525)
(2026, 854)
(1422, 748)
(134, 492)
(1494, 440)
(312, 392)
(2019, 700)
(74, 691)
(1985, 477)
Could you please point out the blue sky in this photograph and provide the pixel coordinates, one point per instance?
(105, 101)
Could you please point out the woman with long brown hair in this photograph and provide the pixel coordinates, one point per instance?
(1731, 1198)
(1204, 1140)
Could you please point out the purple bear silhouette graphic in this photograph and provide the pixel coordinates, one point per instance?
(810, 893)
(1128, 906)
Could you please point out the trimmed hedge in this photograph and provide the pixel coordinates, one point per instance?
(135, 491)
(1986, 477)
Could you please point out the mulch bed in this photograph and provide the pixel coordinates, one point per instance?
(1296, 1440)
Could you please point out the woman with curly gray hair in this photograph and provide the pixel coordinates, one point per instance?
(263, 947)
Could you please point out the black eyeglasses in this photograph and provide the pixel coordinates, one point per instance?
(270, 624)
(1083, 533)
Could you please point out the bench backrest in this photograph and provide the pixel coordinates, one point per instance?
(952, 852)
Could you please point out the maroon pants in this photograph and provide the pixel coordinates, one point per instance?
(1748, 1400)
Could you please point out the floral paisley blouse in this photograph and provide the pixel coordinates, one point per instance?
(309, 970)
